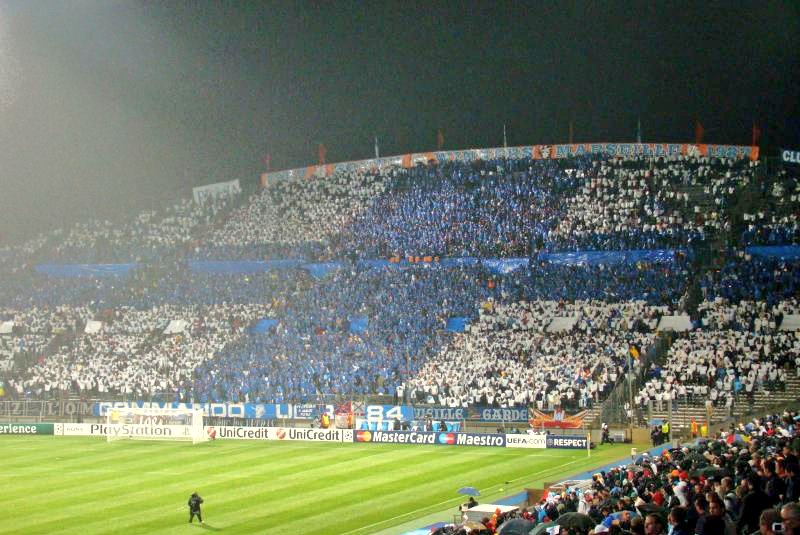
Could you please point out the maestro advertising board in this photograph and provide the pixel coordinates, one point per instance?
(430, 438)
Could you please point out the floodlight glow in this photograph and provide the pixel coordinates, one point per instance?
(9, 68)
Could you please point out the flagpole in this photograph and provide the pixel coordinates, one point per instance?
(377, 151)
(639, 130)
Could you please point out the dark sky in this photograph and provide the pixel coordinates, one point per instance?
(112, 107)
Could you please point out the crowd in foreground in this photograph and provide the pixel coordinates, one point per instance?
(744, 481)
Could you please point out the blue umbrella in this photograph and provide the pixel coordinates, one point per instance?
(469, 491)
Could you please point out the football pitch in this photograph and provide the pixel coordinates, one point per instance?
(84, 485)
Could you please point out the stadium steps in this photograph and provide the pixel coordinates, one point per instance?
(762, 402)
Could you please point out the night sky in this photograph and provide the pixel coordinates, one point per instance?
(108, 108)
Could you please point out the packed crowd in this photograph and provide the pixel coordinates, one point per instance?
(745, 480)
(640, 203)
(314, 348)
(514, 208)
(778, 223)
(31, 289)
(145, 237)
(460, 209)
(721, 367)
(494, 208)
(656, 284)
(507, 359)
(754, 316)
(592, 316)
(132, 354)
(485, 209)
(15, 257)
(294, 218)
(753, 278)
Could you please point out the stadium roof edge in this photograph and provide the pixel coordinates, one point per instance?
(536, 152)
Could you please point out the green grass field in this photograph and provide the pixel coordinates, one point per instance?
(87, 486)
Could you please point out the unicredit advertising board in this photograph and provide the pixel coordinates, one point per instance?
(537, 441)
(280, 433)
(430, 438)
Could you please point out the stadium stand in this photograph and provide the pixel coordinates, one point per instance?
(360, 273)
(506, 282)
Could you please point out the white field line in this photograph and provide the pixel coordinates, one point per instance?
(446, 502)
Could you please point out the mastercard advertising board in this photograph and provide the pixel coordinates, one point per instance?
(430, 438)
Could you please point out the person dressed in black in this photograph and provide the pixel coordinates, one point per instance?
(194, 507)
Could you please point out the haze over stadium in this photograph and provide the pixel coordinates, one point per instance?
(335, 267)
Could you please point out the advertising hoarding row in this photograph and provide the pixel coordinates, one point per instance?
(529, 440)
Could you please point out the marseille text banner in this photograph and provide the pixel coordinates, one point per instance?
(534, 152)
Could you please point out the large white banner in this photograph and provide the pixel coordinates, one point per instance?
(93, 327)
(220, 189)
(537, 440)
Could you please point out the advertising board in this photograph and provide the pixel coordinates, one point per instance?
(430, 438)
(532, 441)
(280, 433)
(14, 428)
(567, 442)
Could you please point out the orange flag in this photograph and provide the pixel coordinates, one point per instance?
(323, 151)
(439, 139)
(756, 134)
(698, 132)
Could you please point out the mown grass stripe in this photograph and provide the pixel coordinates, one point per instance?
(84, 486)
